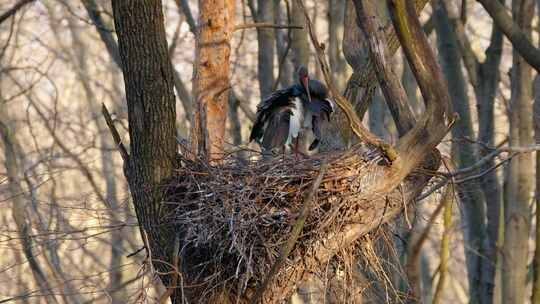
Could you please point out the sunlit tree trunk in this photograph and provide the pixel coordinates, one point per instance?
(211, 81)
(520, 172)
(300, 43)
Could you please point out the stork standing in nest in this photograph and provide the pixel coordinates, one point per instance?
(290, 113)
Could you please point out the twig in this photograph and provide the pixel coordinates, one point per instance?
(355, 123)
(295, 234)
(183, 6)
(135, 252)
(283, 58)
(445, 251)
(484, 160)
(175, 274)
(114, 133)
(265, 25)
(245, 108)
(10, 12)
(479, 164)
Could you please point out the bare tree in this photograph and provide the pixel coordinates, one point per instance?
(151, 109)
(470, 194)
(211, 82)
(263, 12)
(336, 18)
(520, 172)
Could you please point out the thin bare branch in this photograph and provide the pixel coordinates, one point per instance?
(512, 31)
(265, 25)
(115, 134)
(13, 10)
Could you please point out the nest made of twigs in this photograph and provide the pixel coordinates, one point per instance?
(233, 217)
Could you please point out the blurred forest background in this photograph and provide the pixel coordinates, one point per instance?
(68, 229)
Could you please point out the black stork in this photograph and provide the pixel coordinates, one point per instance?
(288, 112)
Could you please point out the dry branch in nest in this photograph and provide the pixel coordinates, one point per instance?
(234, 218)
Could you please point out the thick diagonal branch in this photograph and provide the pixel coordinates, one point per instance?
(395, 95)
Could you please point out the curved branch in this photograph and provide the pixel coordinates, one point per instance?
(512, 31)
(432, 126)
(393, 91)
(12, 11)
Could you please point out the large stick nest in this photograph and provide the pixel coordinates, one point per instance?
(234, 217)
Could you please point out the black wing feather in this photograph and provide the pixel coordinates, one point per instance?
(278, 99)
(277, 130)
(320, 107)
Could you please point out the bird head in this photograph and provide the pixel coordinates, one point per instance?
(303, 78)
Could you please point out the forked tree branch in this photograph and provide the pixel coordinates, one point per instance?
(390, 84)
(364, 74)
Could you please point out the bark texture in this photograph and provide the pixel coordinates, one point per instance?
(299, 43)
(265, 41)
(148, 78)
(470, 195)
(536, 260)
(520, 172)
(211, 83)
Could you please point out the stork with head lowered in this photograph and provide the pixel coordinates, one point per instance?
(288, 113)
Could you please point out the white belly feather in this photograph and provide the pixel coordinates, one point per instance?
(297, 120)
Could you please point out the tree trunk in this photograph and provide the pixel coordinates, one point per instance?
(300, 43)
(520, 172)
(488, 83)
(469, 194)
(336, 18)
(265, 41)
(211, 81)
(536, 259)
(148, 78)
(283, 43)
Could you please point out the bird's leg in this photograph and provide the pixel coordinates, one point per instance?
(296, 141)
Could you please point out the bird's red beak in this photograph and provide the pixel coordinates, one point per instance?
(305, 82)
